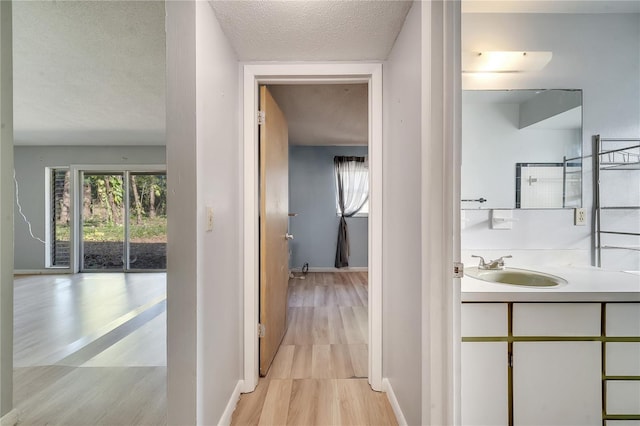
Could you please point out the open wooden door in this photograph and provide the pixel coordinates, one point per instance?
(274, 210)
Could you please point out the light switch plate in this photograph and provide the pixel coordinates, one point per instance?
(580, 217)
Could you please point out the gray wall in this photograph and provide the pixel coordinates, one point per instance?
(6, 211)
(598, 53)
(30, 164)
(402, 352)
(312, 196)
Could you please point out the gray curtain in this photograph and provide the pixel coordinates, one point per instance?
(352, 192)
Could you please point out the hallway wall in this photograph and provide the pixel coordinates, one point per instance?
(203, 270)
(6, 211)
(402, 267)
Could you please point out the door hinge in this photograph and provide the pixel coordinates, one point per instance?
(261, 118)
(458, 269)
(261, 330)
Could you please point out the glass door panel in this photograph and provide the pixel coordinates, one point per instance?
(147, 242)
(103, 216)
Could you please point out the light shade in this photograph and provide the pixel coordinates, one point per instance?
(504, 61)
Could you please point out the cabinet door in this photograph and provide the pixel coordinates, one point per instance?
(484, 383)
(557, 383)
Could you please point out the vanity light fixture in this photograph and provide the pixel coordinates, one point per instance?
(504, 61)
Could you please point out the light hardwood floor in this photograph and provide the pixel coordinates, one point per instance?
(318, 376)
(90, 349)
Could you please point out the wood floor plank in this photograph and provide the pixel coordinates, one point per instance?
(282, 363)
(304, 324)
(302, 358)
(359, 360)
(324, 358)
(352, 403)
(328, 412)
(336, 326)
(276, 404)
(320, 326)
(321, 366)
(361, 314)
(376, 405)
(303, 408)
(352, 329)
(341, 362)
(320, 294)
(250, 405)
(138, 393)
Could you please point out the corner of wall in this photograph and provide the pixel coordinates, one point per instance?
(227, 415)
(391, 396)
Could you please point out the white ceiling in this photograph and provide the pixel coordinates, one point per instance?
(311, 30)
(324, 114)
(550, 6)
(93, 72)
(89, 72)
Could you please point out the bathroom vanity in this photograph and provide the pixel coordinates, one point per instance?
(562, 355)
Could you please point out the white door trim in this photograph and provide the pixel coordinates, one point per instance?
(254, 74)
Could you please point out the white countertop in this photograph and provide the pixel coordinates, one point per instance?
(585, 284)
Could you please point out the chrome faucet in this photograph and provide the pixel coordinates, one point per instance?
(497, 264)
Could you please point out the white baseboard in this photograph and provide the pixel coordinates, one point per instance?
(388, 389)
(225, 419)
(11, 418)
(52, 271)
(332, 269)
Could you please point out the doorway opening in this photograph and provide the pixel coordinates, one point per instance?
(254, 76)
(325, 155)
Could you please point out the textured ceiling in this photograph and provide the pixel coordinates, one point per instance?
(89, 72)
(324, 114)
(311, 30)
(93, 72)
(550, 6)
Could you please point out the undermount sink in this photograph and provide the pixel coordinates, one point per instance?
(514, 276)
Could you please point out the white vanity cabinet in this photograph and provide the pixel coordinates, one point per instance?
(556, 356)
(557, 381)
(622, 364)
(484, 376)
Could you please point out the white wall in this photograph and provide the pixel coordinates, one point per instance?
(597, 53)
(218, 165)
(182, 235)
(402, 266)
(6, 211)
(30, 164)
(203, 271)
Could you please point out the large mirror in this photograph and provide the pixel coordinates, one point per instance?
(521, 149)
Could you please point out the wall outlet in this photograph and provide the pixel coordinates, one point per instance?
(580, 217)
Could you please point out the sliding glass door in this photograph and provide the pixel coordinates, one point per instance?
(123, 221)
(147, 242)
(103, 214)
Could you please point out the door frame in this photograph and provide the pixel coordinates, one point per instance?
(298, 73)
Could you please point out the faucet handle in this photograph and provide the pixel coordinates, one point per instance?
(500, 261)
(482, 262)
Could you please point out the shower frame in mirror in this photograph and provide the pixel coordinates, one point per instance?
(504, 127)
(556, 187)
